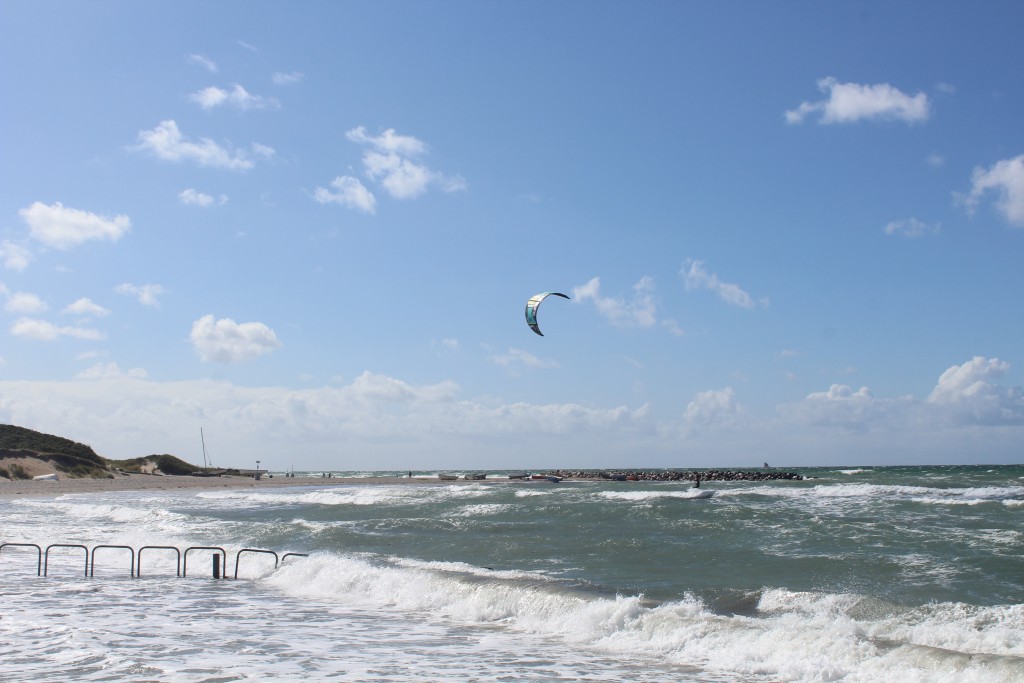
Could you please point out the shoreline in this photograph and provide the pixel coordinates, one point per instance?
(31, 488)
(135, 481)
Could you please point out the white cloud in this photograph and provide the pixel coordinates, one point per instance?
(1006, 179)
(516, 357)
(41, 330)
(191, 197)
(965, 396)
(388, 142)
(86, 307)
(238, 97)
(390, 162)
(105, 371)
(400, 177)
(167, 143)
(350, 193)
(200, 60)
(696, 277)
(911, 228)
(393, 422)
(714, 408)
(62, 228)
(147, 295)
(972, 396)
(225, 341)
(24, 302)
(935, 160)
(280, 78)
(849, 102)
(640, 311)
(402, 424)
(14, 256)
(840, 407)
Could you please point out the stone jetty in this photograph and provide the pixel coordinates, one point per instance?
(676, 475)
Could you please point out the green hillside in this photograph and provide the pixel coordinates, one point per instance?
(21, 439)
(75, 459)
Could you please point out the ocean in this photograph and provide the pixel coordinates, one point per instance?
(853, 574)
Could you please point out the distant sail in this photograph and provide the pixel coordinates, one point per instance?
(531, 309)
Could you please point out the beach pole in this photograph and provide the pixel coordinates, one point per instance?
(216, 566)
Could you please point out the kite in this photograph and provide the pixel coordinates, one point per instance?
(531, 309)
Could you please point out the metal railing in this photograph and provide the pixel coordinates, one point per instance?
(135, 560)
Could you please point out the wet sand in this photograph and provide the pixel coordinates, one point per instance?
(139, 482)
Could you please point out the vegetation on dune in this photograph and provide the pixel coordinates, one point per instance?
(16, 472)
(74, 459)
(168, 464)
(21, 439)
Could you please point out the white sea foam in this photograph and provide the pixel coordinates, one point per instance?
(795, 636)
(648, 495)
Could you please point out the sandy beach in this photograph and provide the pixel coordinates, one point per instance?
(133, 482)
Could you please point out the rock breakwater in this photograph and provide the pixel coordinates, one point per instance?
(675, 475)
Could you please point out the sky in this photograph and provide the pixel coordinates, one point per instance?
(305, 232)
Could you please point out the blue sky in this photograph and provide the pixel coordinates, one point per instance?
(792, 231)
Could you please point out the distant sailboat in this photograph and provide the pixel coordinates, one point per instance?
(206, 464)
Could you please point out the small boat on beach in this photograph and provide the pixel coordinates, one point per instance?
(447, 477)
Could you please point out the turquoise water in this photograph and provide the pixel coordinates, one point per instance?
(889, 573)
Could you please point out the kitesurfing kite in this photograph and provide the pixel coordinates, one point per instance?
(531, 309)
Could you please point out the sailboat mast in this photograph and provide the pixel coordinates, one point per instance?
(203, 439)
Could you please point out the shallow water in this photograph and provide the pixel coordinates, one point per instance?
(907, 573)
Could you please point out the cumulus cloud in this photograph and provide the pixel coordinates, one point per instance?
(86, 307)
(392, 162)
(970, 393)
(225, 341)
(638, 311)
(965, 395)
(291, 78)
(714, 408)
(191, 197)
(64, 228)
(41, 330)
(841, 407)
(911, 228)
(696, 277)
(1006, 180)
(394, 422)
(14, 256)
(24, 302)
(237, 97)
(850, 102)
(167, 142)
(348, 192)
(147, 295)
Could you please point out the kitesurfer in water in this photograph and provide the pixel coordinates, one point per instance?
(697, 486)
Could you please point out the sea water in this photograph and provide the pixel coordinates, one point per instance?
(854, 574)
